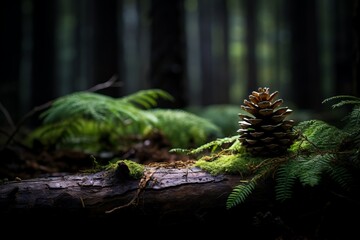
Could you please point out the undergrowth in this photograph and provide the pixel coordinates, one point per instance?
(322, 150)
(94, 123)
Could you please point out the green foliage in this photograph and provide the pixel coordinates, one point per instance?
(223, 115)
(322, 151)
(225, 163)
(211, 146)
(308, 170)
(240, 193)
(147, 98)
(104, 109)
(313, 156)
(92, 122)
(222, 155)
(344, 100)
(352, 125)
(286, 178)
(353, 121)
(317, 134)
(184, 129)
(75, 133)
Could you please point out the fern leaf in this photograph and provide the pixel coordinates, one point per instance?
(146, 98)
(184, 129)
(179, 150)
(353, 121)
(57, 133)
(92, 106)
(320, 134)
(240, 193)
(285, 180)
(341, 176)
(345, 100)
(214, 144)
(223, 115)
(311, 169)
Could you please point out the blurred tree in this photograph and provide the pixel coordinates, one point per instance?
(106, 42)
(214, 41)
(304, 55)
(167, 57)
(251, 30)
(10, 42)
(43, 49)
(51, 48)
(344, 44)
(356, 37)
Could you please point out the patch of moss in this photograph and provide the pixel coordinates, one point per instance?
(228, 164)
(136, 169)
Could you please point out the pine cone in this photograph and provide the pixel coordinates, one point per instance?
(264, 131)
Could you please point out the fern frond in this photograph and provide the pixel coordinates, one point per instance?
(225, 116)
(57, 133)
(179, 150)
(146, 98)
(92, 106)
(214, 145)
(355, 116)
(353, 122)
(184, 129)
(345, 100)
(239, 193)
(318, 134)
(310, 169)
(285, 180)
(341, 176)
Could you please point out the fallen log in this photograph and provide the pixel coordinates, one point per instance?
(162, 197)
(184, 201)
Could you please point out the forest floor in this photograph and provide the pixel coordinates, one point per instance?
(312, 214)
(21, 162)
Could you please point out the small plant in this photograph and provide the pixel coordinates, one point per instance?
(93, 123)
(319, 150)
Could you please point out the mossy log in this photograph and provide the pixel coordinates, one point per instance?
(184, 201)
(162, 197)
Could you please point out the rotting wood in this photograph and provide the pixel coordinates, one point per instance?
(162, 194)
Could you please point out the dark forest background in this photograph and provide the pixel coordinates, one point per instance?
(203, 52)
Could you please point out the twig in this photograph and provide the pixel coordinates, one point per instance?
(142, 184)
(109, 83)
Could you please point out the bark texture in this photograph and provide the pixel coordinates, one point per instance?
(163, 197)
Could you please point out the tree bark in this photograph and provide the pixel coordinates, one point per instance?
(167, 201)
(164, 196)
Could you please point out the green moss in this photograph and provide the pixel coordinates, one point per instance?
(228, 164)
(136, 169)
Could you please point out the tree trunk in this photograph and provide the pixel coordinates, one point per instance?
(167, 57)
